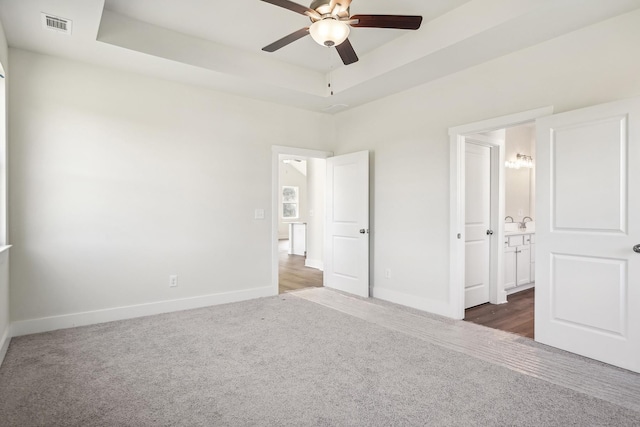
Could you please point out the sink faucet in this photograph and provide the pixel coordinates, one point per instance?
(523, 224)
(508, 217)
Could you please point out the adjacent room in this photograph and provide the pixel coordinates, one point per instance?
(272, 212)
(300, 223)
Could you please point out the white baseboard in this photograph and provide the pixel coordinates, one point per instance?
(4, 343)
(314, 263)
(45, 324)
(424, 304)
(520, 289)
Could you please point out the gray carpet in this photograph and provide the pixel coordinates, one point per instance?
(274, 361)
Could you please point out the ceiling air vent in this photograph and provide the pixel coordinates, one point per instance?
(56, 23)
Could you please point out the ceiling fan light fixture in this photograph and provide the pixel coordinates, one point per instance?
(329, 32)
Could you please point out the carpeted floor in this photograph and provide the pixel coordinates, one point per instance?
(272, 362)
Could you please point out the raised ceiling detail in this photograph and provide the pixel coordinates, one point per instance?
(218, 44)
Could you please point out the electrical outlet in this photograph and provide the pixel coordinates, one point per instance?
(387, 273)
(173, 281)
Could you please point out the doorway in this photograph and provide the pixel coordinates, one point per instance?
(499, 240)
(301, 187)
(516, 314)
(587, 231)
(344, 242)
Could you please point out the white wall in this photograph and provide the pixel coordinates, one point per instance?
(119, 180)
(316, 179)
(518, 140)
(4, 257)
(409, 133)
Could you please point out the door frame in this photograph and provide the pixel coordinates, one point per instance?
(276, 151)
(457, 137)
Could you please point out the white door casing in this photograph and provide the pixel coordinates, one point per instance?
(458, 136)
(347, 224)
(477, 224)
(588, 221)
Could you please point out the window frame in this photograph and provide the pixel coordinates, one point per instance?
(295, 202)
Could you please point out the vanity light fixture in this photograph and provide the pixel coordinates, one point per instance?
(521, 161)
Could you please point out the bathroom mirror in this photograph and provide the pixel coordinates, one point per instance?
(520, 183)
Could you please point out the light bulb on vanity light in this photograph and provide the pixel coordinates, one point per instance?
(521, 161)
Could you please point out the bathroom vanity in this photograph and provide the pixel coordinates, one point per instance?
(519, 261)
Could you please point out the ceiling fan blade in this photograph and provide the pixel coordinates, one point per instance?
(286, 40)
(295, 7)
(347, 53)
(400, 22)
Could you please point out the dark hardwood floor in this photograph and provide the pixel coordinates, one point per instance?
(292, 272)
(515, 316)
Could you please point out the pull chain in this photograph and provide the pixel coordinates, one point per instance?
(329, 56)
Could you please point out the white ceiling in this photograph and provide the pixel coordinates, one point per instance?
(250, 25)
(218, 44)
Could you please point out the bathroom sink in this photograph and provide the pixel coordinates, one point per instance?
(510, 227)
(514, 228)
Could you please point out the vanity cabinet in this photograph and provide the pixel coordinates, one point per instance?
(298, 238)
(519, 262)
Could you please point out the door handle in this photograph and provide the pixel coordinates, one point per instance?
(636, 249)
(363, 231)
(489, 232)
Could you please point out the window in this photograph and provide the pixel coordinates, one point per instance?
(289, 202)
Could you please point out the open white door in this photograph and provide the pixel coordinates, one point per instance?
(588, 208)
(346, 262)
(477, 224)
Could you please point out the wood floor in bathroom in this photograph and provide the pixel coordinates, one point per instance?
(515, 316)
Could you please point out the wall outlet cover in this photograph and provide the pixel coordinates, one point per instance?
(173, 281)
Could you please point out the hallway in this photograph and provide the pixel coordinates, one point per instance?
(292, 272)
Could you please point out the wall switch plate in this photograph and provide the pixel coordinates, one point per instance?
(173, 281)
(387, 273)
(259, 214)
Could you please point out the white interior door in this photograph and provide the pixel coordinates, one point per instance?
(347, 227)
(477, 224)
(588, 207)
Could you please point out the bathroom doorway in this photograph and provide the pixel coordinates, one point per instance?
(516, 315)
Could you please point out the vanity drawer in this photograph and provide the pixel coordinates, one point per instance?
(515, 241)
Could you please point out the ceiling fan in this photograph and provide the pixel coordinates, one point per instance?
(330, 21)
